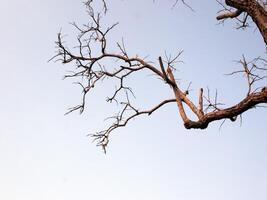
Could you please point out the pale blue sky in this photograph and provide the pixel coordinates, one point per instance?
(47, 156)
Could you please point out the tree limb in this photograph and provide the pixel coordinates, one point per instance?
(92, 51)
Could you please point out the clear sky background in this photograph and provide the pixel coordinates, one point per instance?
(45, 155)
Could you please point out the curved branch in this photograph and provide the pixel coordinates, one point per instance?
(92, 51)
(229, 113)
(102, 137)
(253, 8)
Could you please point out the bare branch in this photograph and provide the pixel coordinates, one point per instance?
(251, 8)
(94, 63)
(229, 14)
(120, 120)
(183, 1)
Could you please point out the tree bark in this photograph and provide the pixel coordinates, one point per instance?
(255, 11)
(229, 113)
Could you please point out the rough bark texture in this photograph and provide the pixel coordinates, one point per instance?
(254, 10)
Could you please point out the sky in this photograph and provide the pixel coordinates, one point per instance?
(46, 155)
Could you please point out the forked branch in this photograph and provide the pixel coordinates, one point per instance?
(94, 63)
(255, 9)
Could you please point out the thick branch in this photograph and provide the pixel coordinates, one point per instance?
(229, 15)
(253, 8)
(181, 97)
(229, 113)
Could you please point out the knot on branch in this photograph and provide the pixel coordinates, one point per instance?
(201, 124)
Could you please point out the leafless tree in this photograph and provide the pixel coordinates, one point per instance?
(93, 51)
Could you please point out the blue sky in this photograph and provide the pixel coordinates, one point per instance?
(46, 155)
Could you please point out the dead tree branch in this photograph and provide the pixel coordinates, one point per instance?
(255, 9)
(92, 51)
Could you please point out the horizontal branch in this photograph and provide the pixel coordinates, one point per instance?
(229, 113)
(229, 14)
